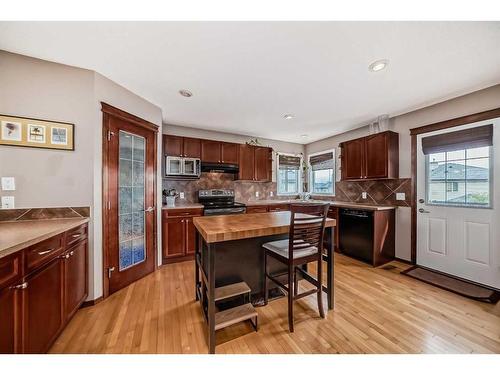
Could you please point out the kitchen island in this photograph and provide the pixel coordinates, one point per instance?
(229, 252)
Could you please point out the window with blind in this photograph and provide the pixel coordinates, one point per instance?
(322, 175)
(459, 167)
(288, 175)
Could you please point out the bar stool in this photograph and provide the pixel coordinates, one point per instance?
(307, 227)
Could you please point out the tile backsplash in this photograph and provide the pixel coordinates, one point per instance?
(378, 192)
(23, 214)
(243, 191)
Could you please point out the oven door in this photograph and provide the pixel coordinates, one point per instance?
(191, 167)
(224, 211)
(174, 166)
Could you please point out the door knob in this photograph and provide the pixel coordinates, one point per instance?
(422, 211)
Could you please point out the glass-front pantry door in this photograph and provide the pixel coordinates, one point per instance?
(129, 212)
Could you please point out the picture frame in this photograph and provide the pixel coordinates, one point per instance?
(36, 133)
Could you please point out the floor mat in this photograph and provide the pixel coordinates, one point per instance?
(452, 284)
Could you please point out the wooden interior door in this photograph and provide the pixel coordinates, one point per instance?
(376, 153)
(129, 212)
(352, 159)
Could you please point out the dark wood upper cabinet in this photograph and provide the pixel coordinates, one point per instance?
(353, 159)
(229, 153)
(210, 151)
(247, 163)
(191, 147)
(262, 163)
(181, 146)
(372, 157)
(172, 145)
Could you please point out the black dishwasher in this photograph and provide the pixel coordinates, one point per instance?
(356, 234)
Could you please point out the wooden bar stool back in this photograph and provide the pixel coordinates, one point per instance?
(304, 245)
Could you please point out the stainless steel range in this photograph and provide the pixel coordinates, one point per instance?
(220, 202)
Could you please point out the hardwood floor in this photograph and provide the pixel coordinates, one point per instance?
(376, 311)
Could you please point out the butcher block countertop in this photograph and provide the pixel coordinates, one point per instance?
(17, 235)
(237, 227)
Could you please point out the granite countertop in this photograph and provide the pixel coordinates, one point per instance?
(17, 235)
(222, 228)
(265, 202)
(182, 205)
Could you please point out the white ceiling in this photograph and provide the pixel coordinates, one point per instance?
(246, 75)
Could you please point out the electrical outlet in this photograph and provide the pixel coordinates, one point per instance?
(8, 183)
(271, 194)
(363, 195)
(7, 202)
(181, 195)
(400, 196)
(256, 194)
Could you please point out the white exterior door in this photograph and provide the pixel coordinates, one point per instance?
(454, 236)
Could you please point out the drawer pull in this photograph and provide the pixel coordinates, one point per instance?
(76, 235)
(71, 253)
(20, 286)
(45, 252)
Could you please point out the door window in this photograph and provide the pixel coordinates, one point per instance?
(131, 200)
(460, 177)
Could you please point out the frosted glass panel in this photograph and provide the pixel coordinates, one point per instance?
(131, 221)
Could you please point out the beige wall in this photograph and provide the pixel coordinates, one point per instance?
(278, 146)
(472, 103)
(51, 178)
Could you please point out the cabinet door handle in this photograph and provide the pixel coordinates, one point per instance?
(46, 251)
(20, 286)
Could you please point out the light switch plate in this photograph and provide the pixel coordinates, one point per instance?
(363, 195)
(400, 196)
(7, 202)
(8, 183)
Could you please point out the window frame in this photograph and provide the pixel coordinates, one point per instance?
(299, 178)
(462, 205)
(334, 171)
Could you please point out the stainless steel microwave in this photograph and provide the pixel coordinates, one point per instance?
(188, 167)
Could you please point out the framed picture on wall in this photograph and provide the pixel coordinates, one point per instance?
(30, 132)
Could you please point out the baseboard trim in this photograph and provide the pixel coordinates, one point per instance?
(404, 261)
(91, 302)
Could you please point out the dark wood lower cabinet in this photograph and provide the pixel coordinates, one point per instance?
(10, 315)
(43, 308)
(75, 278)
(179, 234)
(37, 302)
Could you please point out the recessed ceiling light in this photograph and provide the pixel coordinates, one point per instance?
(186, 93)
(378, 65)
(288, 117)
(304, 136)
